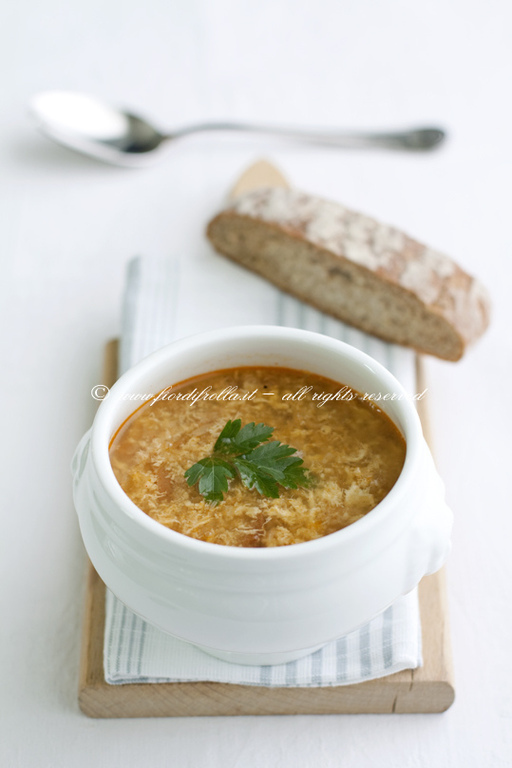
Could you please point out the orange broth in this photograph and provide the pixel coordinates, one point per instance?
(352, 449)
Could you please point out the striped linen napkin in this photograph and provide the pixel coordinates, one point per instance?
(162, 300)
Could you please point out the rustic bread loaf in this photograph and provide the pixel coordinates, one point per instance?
(365, 273)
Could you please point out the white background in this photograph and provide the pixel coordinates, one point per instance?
(68, 225)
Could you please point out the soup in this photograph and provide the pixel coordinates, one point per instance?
(352, 455)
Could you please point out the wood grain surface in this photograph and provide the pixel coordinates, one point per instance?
(259, 174)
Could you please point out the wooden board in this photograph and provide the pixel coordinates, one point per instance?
(428, 689)
(260, 174)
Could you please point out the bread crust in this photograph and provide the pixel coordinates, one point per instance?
(351, 266)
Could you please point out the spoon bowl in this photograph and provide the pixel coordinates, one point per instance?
(122, 138)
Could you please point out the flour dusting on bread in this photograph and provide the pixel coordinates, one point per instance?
(363, 272)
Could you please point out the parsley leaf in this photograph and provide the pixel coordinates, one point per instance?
(213, 474)
(252, 478)
(237, 439)
(245, 452)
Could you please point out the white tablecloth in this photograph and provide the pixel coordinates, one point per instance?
(68, 227)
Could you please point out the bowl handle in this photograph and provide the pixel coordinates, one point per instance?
(434, 521)
(80, 456)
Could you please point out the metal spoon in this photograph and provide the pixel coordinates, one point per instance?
(121, 138)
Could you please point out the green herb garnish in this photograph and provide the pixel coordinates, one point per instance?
(245, 452)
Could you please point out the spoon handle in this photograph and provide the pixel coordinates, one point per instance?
(414, 139)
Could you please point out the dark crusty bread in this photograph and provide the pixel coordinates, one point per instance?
(365, 273)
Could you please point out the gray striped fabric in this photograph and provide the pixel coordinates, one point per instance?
(161, 298)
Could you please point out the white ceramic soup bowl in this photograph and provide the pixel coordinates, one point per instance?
(270, 605)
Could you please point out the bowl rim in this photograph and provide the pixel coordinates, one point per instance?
(101, 434)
